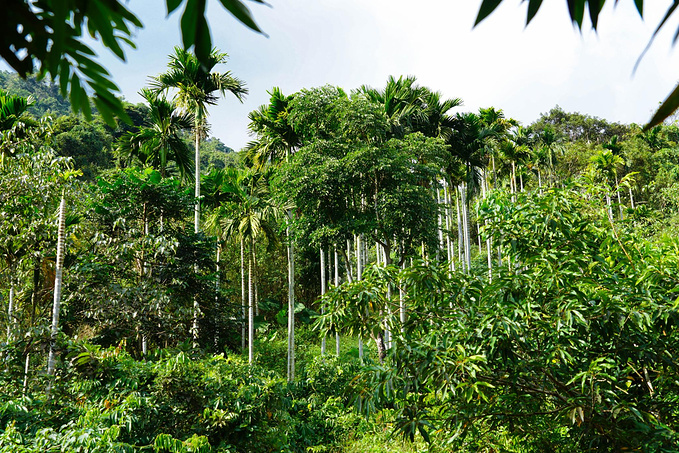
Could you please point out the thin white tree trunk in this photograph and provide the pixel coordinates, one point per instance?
(350, 270)
(359, 277)
(460, 234)
(27, 364)
(243, 295)
(291, 306)
(337, 335)
(56, 306)
(485, 189)
(465, 224)
(447, 216)
(440, 223)
(631, 197)
(196, 229)
(196, 210)
(251, 311)
(401, 301)
(10, 311)
(617, 191)
(323, 290)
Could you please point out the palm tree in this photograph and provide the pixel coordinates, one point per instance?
(467, 159)
(160, 140)
(604, 165)
(403, 101)
(275, 143)
(249, 218)
(276, 139)
(197, 87)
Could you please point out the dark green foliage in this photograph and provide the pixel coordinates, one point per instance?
(86, 142)
(570, 347)
(104, 400)
(46, 97)
(578, 127)
(138, 276)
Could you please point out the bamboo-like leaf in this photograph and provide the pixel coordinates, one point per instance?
(188, 23)
(487, 7)
(172, 5)
(669, 12)
(666, 109)
(594, 11)
(533, 7)
(242, 13)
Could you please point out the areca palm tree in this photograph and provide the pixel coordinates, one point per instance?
(197, 89)
(276, 141)
(160, 140)
(403, 101)
(249, 218)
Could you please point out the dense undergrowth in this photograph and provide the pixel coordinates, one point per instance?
(105, 400)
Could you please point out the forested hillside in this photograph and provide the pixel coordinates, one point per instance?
(377, 260)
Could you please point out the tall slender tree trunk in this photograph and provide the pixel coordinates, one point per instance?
(291, 306)
(27, 364)
(56, 306)
(196, 210)
(196, 227)
(10, 310)
(446, 206)
(631, 197)
(337, 335)
(484, 191)
(449, 227)
(359, 277)
(251, 311)
(465, 224)
(323, 290)
(460, 234)
(401, 301)
(242, 287)
(439, 223)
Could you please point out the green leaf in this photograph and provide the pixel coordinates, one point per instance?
(594, 10)
(241, 12)
(533, 7)
(172, 5)
(188, 23)
(666, 109)
(640, 7)
(576, 9)
(203, 43)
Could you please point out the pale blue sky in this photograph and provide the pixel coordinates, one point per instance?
(501, 63)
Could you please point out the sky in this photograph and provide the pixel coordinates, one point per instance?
(523, 70)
